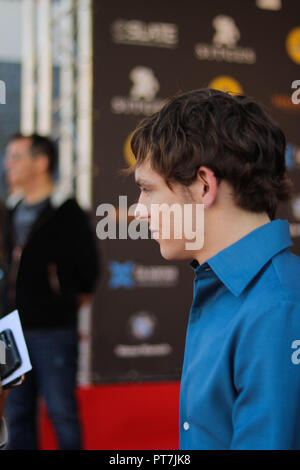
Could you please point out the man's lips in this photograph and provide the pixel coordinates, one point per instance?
(155, 234)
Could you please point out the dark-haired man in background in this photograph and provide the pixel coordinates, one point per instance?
(53, 270)
(240, 386)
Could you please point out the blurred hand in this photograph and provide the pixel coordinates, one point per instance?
(3, 398)
(84, 299)
(4, 394)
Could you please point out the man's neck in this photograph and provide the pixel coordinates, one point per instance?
(38, 191)
(227, 232)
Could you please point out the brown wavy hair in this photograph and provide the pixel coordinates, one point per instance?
(232, 135)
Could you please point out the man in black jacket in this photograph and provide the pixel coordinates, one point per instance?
(53, 270)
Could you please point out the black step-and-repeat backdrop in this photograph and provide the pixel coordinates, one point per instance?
(143, 53)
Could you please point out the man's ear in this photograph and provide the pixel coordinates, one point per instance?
(209, 185)
(43, 163)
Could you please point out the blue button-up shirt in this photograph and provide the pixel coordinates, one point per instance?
(240, 386)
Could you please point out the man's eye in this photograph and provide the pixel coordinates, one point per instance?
(145, 190)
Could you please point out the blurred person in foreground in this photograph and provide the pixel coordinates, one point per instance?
(240, 385)
(3, 271)
(53, 270)
(3, 398)
(3, 430)
(3, 393)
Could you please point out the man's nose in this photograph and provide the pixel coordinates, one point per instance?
(141, 211)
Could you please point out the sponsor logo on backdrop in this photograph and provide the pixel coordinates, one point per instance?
(292, 156)
(293, 44)
(227, 84)
(224, 46)
(129, 275)
(285, 102)
(126, 351)
(145, 84)
(128, 154)
(227, 33)
(121, 275)
(269, 4)
(142, 325)
(141, 33)
(2, 92)
(142, 95)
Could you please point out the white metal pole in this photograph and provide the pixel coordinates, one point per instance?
(84, 104)
(27, 67)
(44, 105)
(84, 160)
(66, 94)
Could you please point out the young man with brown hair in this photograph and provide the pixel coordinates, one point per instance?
(240, 385)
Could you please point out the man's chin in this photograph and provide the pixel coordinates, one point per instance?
(172, 254)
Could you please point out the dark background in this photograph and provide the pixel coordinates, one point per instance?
(176, 69)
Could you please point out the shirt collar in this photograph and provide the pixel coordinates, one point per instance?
(239, 263)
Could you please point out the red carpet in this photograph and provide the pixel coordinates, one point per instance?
(125, 416)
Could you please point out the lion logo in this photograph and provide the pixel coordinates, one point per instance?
(145, 84)
(227, 33)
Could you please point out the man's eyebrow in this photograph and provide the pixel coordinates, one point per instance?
(142, 182)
